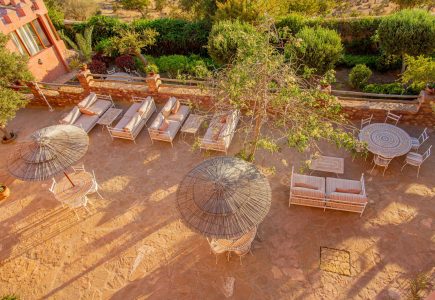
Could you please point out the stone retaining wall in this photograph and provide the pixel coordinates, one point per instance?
(419, 112)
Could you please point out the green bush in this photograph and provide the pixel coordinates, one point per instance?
(351, 60)
(319, 48)
(175, 65)
(226, 37)
(104, 27)
(408, 32)
(419, 71)
(394, 88)
(386, 62)
(359, 76)
(356, 33)
(176, 36)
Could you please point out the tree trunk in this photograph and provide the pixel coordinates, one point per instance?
(403, 64)
(257, 131)
(142, 58)
(6, 133)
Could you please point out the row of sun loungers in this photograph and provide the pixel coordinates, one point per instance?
(329, 193)
(163, 128)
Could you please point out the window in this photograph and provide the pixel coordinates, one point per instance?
(31, 38)
(42, 36)
(18, 44)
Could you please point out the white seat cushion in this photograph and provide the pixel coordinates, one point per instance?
(414, 158)
(333, 183)
(72, 116)
(166, 110)
(133, 123)
(122, 123)
(88, 101)
(181, 114)
(86, 122)
(100, 107)
(157, 121)
(146, 106)
(133, 109)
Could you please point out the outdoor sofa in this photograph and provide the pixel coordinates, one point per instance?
(169, 121)
(221, 131)
(329, 193)
(87, 113)
(134, 119)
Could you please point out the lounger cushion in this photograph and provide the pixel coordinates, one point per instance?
(88, 101)
(347, 191)
(166, 110)
(164, 126)
(157, 122)
(100, 107)
(133, 109)
(122, 123)
(181, 114)
(333, 183)
(86, 122)
(306, 185)
(347, 197)
(72, 116)
(176, 107)
(133, 123)
(145, 107)
(309, 193)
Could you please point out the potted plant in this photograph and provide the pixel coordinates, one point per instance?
(326, 81)
(430, 88)
(4, 191)
(151, 69)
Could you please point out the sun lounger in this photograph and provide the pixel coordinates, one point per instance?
(220, 132)
(134, 119)
(88, 111)
(169, 121)
(307, 190)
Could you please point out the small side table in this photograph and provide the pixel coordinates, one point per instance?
(328, 164)
(192, 124)
(109, 116)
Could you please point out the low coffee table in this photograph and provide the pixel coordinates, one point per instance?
(192, 124)
(109, 116)
(328, 164)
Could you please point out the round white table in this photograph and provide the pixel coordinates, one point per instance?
(386, 140)
(70, 195)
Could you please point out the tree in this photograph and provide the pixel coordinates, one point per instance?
(132, 42)
(226, 37)
(139, 5)
(266, 88)
(318, 48)
(82, 43)
(80, 10)
(419, 71)
(249, 11)
(13, 68)
(409, 32)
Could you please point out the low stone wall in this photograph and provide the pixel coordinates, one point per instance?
(416, 112)
(420, 112)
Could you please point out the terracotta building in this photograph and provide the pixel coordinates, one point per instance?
(33, 35)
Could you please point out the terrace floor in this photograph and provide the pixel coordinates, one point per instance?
(133, 246)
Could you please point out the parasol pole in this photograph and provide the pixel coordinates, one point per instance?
(66, 175)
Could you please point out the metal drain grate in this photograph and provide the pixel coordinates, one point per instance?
(335, 261)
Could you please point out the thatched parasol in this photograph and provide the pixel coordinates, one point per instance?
(48, 152)
(223, 198)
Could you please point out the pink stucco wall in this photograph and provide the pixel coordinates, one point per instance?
(48, 64)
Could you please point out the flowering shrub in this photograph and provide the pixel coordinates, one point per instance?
(125, 61)
(97, 67)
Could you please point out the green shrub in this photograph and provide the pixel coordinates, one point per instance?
(226, 37)
(176, 36)
(386, 62)
(319, 48)
(408, 32)
(104, 27)
(10, 297)
(102, 47)
(173, 65)
(359, 76)
(394, 88)
(419, 71)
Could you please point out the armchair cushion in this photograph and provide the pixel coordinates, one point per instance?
(133, 123)
(88, 101)
(157, 122)
(134, 108)
(99, 107)
(166, 110)
(86, 122)
(145, 107)
(181, 114)
(72, 116)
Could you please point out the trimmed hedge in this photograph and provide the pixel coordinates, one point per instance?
(177, 36)
(382, 62)
(356, 33)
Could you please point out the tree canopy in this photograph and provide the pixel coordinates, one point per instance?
(265, 86)
(13, 67)
(139, 5)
